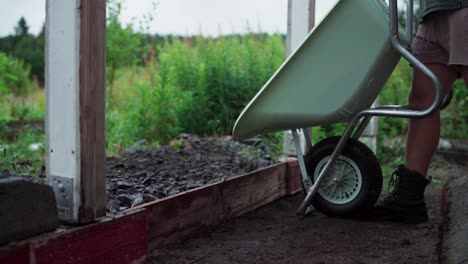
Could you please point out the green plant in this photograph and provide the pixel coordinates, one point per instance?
(154, 114)
(5, 95)
(117, 131)
(455, 117)
(272, 145)
(122, 45)
(26, 47)
(216, 78)
(14, 76)
(19, 111)
(177, 144)
(392, 130)
(24, 154)
(322, 132)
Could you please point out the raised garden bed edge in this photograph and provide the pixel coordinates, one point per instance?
(127, 237)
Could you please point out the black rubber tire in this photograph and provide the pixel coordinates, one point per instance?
(370, 170)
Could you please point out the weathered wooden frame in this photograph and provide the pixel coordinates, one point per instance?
(75, 112)
(128, 236)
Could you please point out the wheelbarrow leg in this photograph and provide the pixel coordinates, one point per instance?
(308, 139)
(306, 182)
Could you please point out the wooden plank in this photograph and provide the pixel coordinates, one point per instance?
(182, 216)
(17, 254)
(129, 236)
(179, 217)
(249, 192)
(294, 184)
(121, 240)
(92, 85)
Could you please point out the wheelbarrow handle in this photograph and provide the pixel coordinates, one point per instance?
(396, 43)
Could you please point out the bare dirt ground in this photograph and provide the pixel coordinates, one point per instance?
(273, 234)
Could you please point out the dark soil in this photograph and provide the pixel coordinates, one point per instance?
(141, 176)
(273, 234)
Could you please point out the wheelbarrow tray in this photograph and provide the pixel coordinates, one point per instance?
(337, 71)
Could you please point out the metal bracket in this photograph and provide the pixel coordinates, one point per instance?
(63, 189)
(307, 183)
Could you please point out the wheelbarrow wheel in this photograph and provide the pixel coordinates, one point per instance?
(353, 184)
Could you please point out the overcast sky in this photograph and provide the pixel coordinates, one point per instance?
(177, 16)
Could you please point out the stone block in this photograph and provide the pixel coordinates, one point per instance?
(26, 209)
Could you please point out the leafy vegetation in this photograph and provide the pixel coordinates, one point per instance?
(28, 48)
(122, 45)
(14, 76)
(196, 86)
(24, 154)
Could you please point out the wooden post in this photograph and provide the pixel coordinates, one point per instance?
(75, 114)
(301, 20)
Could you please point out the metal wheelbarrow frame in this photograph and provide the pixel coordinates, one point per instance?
(367, 114)
(359, 121)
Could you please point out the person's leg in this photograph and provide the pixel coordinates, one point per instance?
(406, 202)
(423, 134)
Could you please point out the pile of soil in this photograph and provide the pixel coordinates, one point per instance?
(141, 176)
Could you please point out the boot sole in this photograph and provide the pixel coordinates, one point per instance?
(395, 216)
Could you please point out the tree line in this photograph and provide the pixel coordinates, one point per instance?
(30, 48)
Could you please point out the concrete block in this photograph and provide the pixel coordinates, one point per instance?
(26, 209)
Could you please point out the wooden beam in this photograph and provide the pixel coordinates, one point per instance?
(92, 79)
(311, 14)
(301, 20)
(75, 115)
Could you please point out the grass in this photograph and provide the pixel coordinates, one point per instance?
(24, 154)
(30, 107)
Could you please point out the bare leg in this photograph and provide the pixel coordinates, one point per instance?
(423, 134)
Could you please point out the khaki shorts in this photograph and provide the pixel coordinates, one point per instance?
(442, 37)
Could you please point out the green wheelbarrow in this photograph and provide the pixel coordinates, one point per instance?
(335, 76)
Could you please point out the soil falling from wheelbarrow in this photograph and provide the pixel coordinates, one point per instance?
(141, 176)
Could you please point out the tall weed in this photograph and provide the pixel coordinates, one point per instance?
(217, 77)
(14, 76)
(194, 85)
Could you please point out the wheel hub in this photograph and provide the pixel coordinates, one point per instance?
(343, 183)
